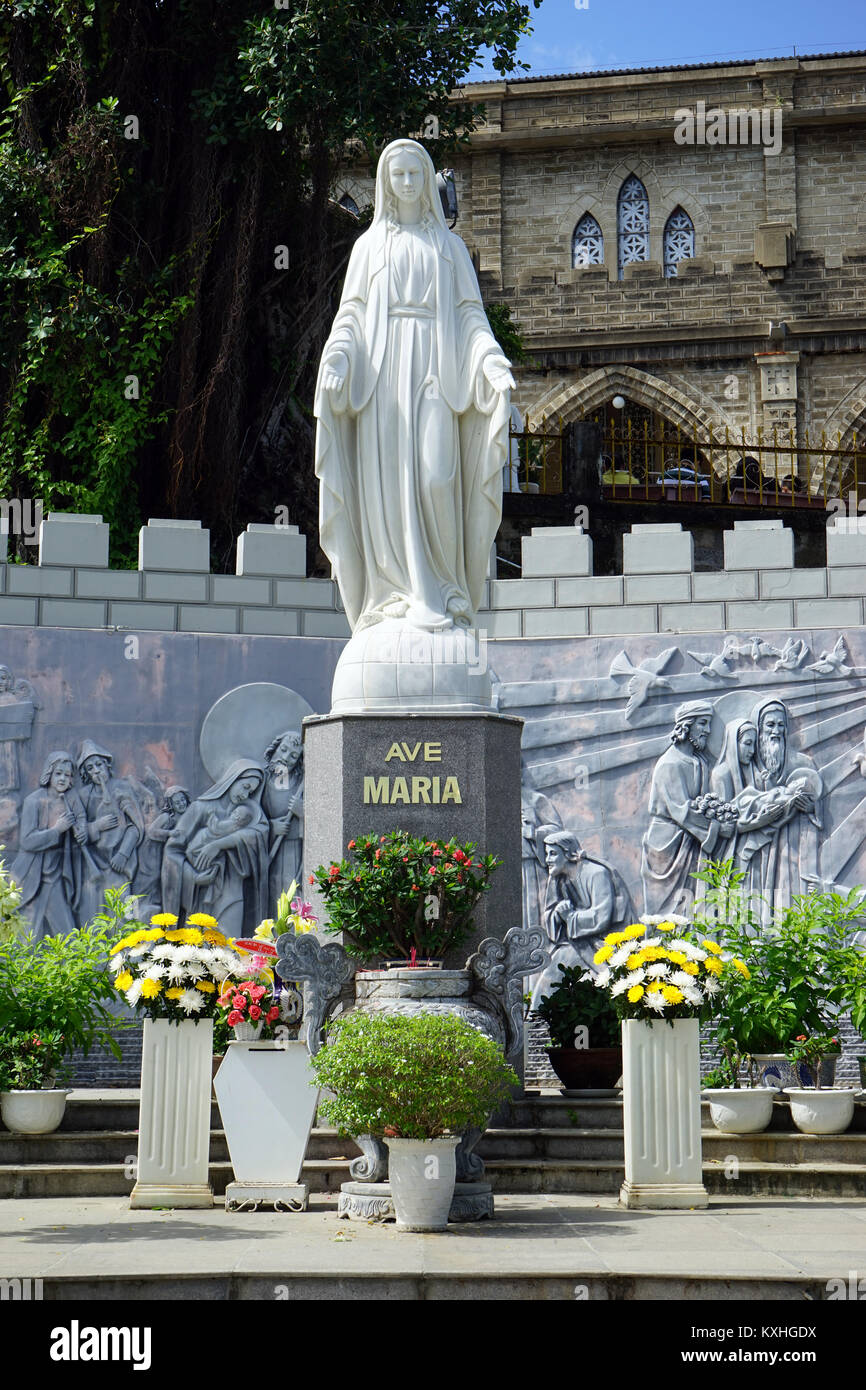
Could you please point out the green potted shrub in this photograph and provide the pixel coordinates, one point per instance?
(54, 997)
(417, 1082)
(585, 1032)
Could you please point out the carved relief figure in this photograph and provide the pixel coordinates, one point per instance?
(46, 869)
(538, 818)
(413, 408)
(678, 832)
(175, 801)
(586, 898)
(216, 858)
(283, 804)
(780, 818)
(115, 829)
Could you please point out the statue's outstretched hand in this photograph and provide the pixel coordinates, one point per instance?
(498, 372)
(334, 371)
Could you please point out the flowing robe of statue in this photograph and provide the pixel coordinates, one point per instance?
(410, 449)
(286, 848)
(677, 836)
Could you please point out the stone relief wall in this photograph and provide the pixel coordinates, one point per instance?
(175, 767)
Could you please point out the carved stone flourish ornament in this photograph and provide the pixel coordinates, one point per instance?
(499, 967)
(323, 971)
(372, 1166)
(364, 1201)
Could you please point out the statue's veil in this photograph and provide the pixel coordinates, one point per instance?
(385, 202)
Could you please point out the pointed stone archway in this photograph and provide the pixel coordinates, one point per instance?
(576, 399)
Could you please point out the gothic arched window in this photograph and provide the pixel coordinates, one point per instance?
(587, 244)
(348, 202)
(679, 240)
(632, 223)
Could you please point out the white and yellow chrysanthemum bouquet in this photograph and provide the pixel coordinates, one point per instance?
(657, 968)
(175, 973)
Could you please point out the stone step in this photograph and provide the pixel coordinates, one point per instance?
(512, 1176)
(107, 1146)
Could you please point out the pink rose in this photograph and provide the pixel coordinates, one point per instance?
(235, 1017)
(257, 991)
(239, 1002)
(255, 1013)
(272, 1015)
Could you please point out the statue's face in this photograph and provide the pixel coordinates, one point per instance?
(96, 768)
(700, 730)
(747, 743)
(243, 788)
(774, 723)
(61, 777)
(406, 176)
(179, 803)
(288, 751)
(555, 858)
(5, 679)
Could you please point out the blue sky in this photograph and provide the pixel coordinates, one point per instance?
(639, 33)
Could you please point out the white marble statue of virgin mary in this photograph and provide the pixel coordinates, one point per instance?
(413, 410)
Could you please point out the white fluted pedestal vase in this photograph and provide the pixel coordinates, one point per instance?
(662, 1114)
(174, 1123)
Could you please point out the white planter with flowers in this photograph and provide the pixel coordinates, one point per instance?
(174, 976)
(662, 1114)
(174, 1123)
(663, 980)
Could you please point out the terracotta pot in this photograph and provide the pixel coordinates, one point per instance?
(587, 1068)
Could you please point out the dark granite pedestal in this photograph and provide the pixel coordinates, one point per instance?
(435, 775)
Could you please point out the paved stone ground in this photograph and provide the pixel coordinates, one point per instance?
(537, 1247)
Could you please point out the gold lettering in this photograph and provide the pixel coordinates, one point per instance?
(399, 791)
(451, 791)
(413, 754)
(432, 752)
(421, 790)
(375, 789)
(436, 784)
(394, 752)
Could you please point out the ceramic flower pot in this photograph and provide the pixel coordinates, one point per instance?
(776, 1071)
(738, 1111)
(422, 1173)
(587, 1068)
(33, 1112)
(821, 1112)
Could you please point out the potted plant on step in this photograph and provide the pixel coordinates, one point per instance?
(54, 997)
(585, 1032)
(816, 1110)
(736, 1109)
(417, 1082)
(802, 972)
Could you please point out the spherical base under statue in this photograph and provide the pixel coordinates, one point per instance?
(394, 666)
(371, 1201)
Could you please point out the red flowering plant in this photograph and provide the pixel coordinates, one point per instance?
(249, 1001)
(403, 896)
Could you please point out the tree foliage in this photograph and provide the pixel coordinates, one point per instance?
(170, 254)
